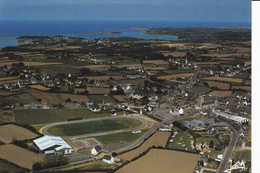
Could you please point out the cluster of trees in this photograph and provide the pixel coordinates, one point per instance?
(50, 161)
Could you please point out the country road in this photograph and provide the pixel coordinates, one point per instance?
(139, 141)
(227, 156)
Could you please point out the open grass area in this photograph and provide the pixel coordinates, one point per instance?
(54, 98)
(213, 152)
(123, 136)
(94, 126)
(6, 116)
(42, 116)
(182, 141)
(243, 154)
(206, 171)
(97, 165)
(201, 90)
(23, 98)
(99, 98)
(111, 73)
(187, 119)
(242, 76)
(204, 137)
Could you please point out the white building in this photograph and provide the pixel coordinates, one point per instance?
(108, 159)
(136, 131)
(181, 111)
(234, 118)
(52, 144)
(165, 128)
(96, 150)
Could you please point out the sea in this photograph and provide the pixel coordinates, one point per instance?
(10, 30)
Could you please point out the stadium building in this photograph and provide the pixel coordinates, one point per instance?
(51, 145)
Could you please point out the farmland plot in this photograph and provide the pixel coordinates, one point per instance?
(9, 132)
(158, 139)
(20, 156)
(166, 161)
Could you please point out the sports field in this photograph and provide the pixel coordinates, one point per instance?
(123, 136)
(86, 143)
(94, 126)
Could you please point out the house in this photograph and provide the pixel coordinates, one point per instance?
(90, 102)
(126, 114)
(95, 109)
(51, 145)
(114, 114)
(148, 108)
(194, 123)
(109, 108)
(108, 159)
(171, 111)
(136, 131)
(96, 150)
(163, 104)
(207, 101)
(165, 128)
(181, 111)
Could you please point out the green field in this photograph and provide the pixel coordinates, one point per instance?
(94, 126)
(99, 98)
(23, 98)
(204, 137)
(42, 116)
(187, 119)
(206, 171)
(243, 154)
(123, 136)
(181, 139)
(200, 90)
(242, 76)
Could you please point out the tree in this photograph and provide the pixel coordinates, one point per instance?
(68, 100)
(14, 139)
(211, 144)
(37, 166)
(54, 160)
(218, 147)
(84, 71)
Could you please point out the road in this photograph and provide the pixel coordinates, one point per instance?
(229, 151)
(140, 140)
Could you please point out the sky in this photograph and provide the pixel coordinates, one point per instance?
(159, 10)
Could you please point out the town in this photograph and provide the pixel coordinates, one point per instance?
(121, 104)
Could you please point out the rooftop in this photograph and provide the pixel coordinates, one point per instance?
(49, 141)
